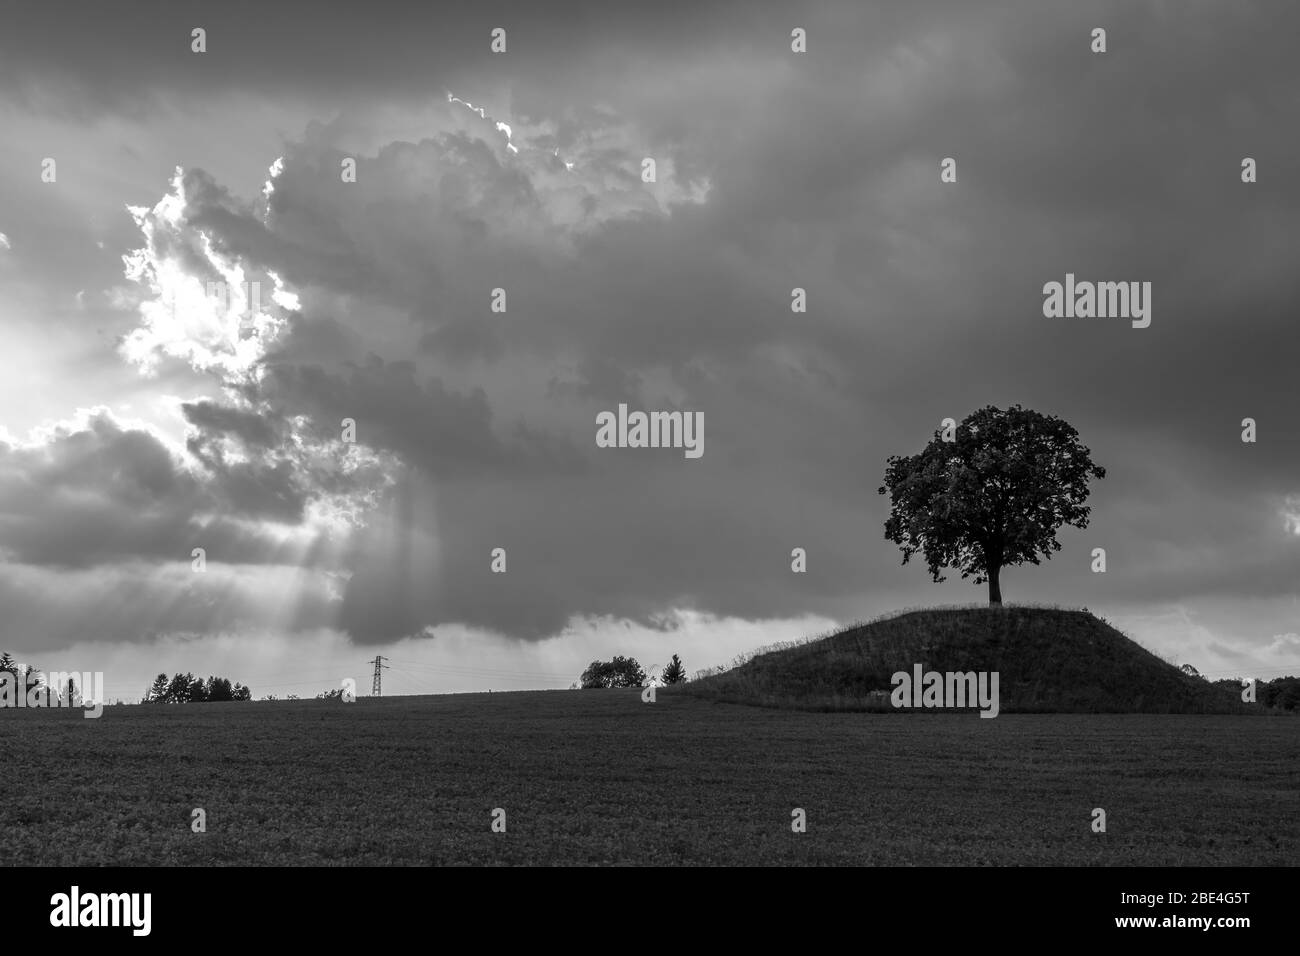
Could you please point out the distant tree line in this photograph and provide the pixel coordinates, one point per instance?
(626, 672)
(1280, 692)
(188, 689)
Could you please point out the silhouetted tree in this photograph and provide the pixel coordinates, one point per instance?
(992, 497)
(7, 663)
(178, 691)
(197, 692)
(619, 672)
(219, 690)
(158, 691)
(675, 672)
(1282, 692)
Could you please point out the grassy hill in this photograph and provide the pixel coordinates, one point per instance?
(1049, 661)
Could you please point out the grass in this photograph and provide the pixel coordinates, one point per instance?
(1049, 660)
(598, 777)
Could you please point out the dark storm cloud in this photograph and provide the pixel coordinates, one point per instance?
(925, 299)
(924, 303)
(102, 493)
(252, 429)
(114, 55)
(125, 602)
(599, 379)
(443, 432)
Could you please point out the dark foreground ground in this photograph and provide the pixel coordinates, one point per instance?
(598, 777)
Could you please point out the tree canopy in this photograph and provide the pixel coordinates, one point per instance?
(990, 493)
(619, 672)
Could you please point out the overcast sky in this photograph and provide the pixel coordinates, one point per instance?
(138, 423)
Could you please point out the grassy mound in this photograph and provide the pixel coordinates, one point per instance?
(1048, 660)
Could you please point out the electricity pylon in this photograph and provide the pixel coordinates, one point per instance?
(376, 685)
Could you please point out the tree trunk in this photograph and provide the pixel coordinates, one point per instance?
(995, 589)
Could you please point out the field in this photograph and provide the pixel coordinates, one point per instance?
(598, 777)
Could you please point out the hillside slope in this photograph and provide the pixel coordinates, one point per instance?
(1048, 660)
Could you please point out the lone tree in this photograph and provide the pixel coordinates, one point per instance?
(675, 672)
(990, 493)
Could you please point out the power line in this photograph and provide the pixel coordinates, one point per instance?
(480, 670)
(419, 684)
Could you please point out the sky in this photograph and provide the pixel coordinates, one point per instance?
(142, 418)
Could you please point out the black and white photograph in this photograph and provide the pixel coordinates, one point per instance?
(728, 434)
